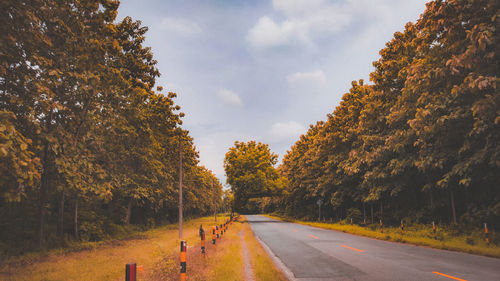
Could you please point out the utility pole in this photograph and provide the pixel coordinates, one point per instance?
(215, 204)
(180, 186)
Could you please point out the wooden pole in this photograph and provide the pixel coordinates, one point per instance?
(180, 186)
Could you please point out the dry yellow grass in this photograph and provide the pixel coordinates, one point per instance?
(106, 262)
(413, 235)
(157, 252)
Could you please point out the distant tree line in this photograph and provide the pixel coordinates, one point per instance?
(422, 142)
(87, 144)
(250, 172)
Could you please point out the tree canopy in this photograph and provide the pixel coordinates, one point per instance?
(85, 136)
(422, 140)
(251, 173)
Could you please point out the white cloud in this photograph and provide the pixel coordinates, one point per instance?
(266, 33)
(180, 26)
(286, 131)
(229, 97)
(317, 77)
(306, 20)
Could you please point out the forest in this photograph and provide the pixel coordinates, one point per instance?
(420, 143)
(89, 148)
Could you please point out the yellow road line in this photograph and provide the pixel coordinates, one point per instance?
(352, 248)
(315, 237)
(449, 276)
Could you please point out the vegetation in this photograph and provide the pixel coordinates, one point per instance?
(84, 135)
(250, 171)
(154, 250)
(421, 143)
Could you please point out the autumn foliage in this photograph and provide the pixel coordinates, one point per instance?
(422, 141)
(87, 144)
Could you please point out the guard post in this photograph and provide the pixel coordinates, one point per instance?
(434, 230)
(381, 226)
(213, 235)
(402, 227)
(486, 235)
(217, 231)
(131, 272)
(202, 236)
(183, 260)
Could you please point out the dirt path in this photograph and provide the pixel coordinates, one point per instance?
(249, 276)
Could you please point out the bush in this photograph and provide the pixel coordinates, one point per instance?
(355, 215)
(469, 240)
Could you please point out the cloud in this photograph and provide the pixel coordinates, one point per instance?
(306, 21)
(266, 33)
(229, 97)
(180, 26)
(284, 132)
(317, 77)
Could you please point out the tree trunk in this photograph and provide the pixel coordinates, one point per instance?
(453, 207)
(42, 211)
(381, 209)
(371, 207)
(60, 220)
(75, 219)
(364, 213)
(432, 199)
(129, 212)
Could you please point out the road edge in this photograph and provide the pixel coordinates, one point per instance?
(277, 261)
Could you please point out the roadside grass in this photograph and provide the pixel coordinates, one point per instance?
(445, 239)
(157, 251)
(263, 267)
(226, 258)
(105, 261)
(222, 261)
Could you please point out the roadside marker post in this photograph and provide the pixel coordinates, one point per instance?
(131, 272)
(486, 236)
(402, 227)
(203, 243)
(434, 229)
(213, 235)
(217, 231)
(381, 227)
(183, 260)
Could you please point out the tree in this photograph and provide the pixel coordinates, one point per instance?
(250, 171)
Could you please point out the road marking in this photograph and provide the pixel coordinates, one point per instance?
(449, 276)
(352, 248)
(315, 237)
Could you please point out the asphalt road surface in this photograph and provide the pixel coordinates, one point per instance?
(316, 254)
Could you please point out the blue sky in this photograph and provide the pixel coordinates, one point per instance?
(263, 70)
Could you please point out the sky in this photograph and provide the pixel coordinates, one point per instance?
(263, 70)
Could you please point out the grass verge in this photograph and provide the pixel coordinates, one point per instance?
(157, 252)
(417, 235)
(263, 267)
(106, 261)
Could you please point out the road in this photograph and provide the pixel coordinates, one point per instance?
(316, 254)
